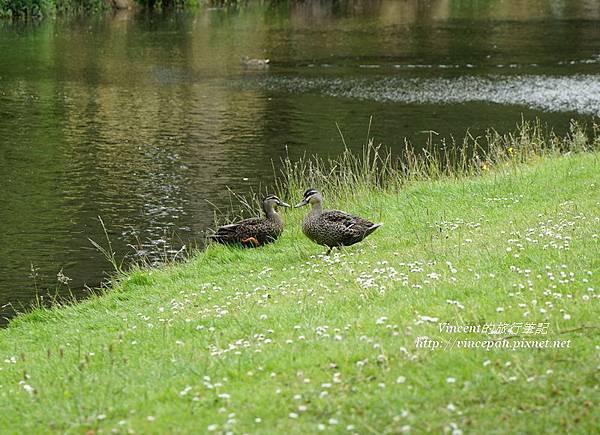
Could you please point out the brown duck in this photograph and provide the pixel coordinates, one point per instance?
(254, 232)
(332, 228)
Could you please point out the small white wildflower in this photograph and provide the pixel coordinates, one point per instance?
(429, 319)
(28, 388)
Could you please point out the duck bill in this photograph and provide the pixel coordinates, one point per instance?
(283, 204)
(301, 203)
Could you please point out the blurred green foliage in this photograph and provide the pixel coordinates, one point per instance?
(39, 8)
(171, 4)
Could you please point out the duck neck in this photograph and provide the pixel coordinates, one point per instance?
(316, 208)
(270, 212)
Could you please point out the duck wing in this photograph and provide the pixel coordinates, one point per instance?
(237, 231)
(346, 222)
(351, 228)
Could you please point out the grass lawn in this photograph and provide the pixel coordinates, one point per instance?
(284, 339)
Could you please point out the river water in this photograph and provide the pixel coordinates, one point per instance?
(148, 120)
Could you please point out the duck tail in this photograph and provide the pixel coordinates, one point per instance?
(216, 237)
(225, 234)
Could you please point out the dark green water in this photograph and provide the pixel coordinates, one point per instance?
(146, 120)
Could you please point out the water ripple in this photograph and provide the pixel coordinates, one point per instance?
(577, 93)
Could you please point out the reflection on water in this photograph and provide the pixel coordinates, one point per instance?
(147, 120)
(578, 93)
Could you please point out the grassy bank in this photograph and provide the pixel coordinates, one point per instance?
(282, 338)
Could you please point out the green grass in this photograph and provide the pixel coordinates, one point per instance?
(305, 342)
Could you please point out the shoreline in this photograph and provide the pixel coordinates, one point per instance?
(283, 338)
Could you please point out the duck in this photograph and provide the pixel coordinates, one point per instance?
(256, 63)
(332, 228)
(254, 232)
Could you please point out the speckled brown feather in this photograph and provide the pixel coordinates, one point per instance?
(254, 232)
(263, 230)
(336, 228)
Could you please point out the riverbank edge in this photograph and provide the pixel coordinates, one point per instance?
(27, 337)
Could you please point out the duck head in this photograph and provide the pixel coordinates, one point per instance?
(271, 201)
(312, 197)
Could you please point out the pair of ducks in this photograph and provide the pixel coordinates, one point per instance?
(331, 228)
